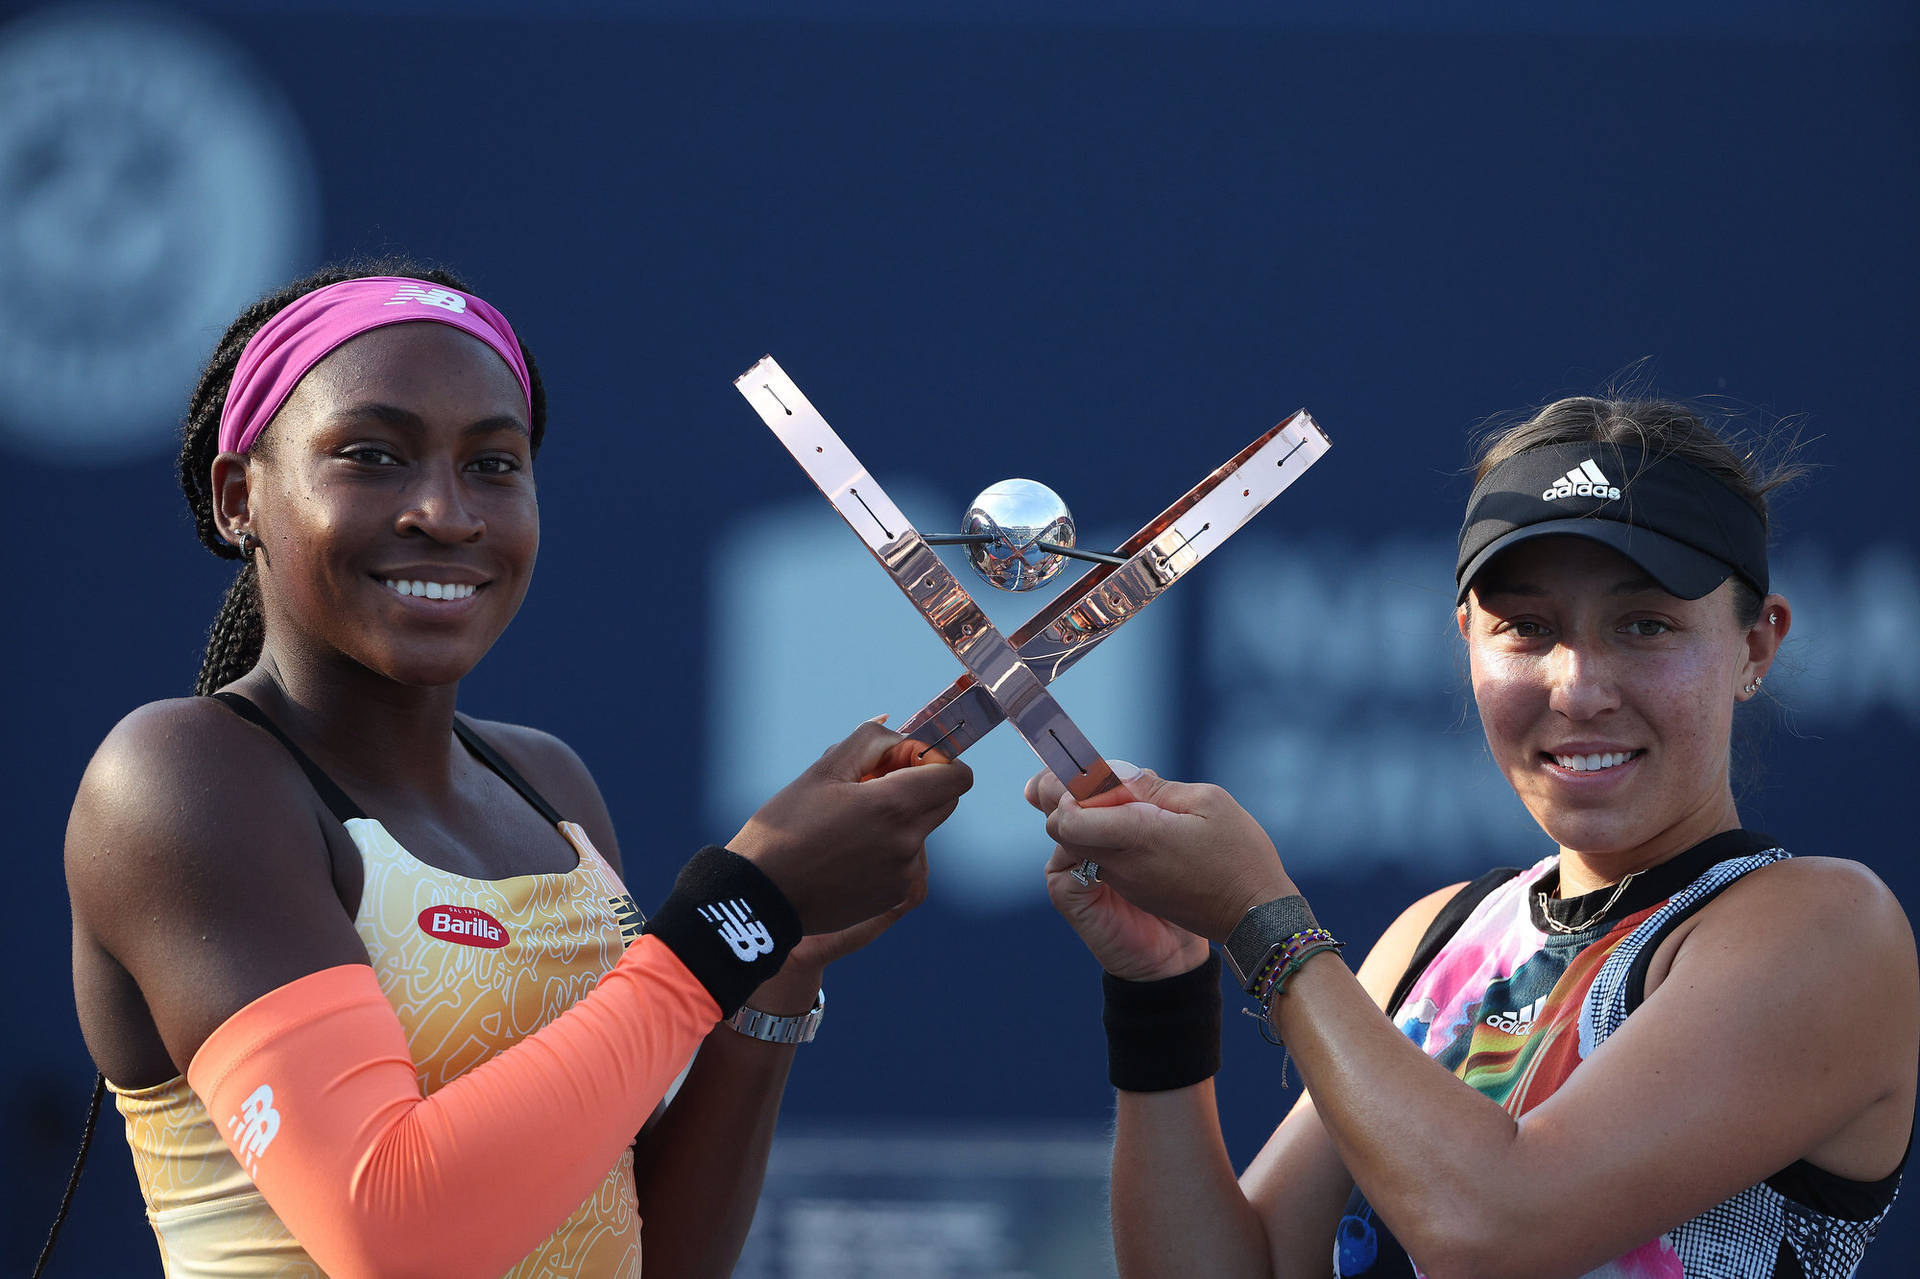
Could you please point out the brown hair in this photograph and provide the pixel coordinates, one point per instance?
(1660, 428)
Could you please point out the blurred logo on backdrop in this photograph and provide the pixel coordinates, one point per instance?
(1337, 709)
(932, 1204)
(151, 185)
(1325, 687)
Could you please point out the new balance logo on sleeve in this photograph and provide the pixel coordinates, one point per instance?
(739, 929)
(255, 1127)
(1584, 480)
(442, 298)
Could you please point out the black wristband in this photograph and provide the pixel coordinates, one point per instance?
(1260, 930)
(729, 924)
(1164, 1034)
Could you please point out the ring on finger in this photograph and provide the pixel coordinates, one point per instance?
(1087, 873)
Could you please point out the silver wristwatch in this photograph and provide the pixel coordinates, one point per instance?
(755, 1024)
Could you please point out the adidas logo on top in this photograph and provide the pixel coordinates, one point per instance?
(1519, 1022)
(1584, 480)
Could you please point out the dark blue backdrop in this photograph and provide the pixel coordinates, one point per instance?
(1100, 252)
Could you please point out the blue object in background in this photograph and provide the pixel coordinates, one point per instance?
(1122, 244)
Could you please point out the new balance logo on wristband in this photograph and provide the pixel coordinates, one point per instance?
(1584, 480)
(1517, 1023)
(739, 929)
(255, 1127)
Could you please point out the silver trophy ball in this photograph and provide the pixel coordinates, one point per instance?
(1017, 515)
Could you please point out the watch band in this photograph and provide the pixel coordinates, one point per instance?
(773, 1029)
(1263, 930)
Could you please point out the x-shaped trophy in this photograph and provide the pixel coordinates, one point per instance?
(1007, 679)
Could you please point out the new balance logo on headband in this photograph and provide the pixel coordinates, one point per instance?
(1584, 480)
(442, 298)
(739, 929)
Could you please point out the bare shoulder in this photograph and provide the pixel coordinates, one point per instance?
(167, 777)
(1380, 973)
(197, 860)
(1839, 908)
(1820, 945)
(556, 770)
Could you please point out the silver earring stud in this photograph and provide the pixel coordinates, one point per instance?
(1773, 619)
(1754, 687)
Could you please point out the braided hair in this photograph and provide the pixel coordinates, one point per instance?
(233, 645)
(234, 641)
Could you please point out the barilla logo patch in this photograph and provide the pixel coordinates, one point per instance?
(468, 925)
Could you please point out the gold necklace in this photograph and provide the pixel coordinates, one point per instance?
(1597, 915)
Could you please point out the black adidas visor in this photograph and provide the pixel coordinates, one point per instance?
(1689, 531)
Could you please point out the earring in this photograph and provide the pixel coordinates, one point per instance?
(1773, 619)
(1754, 687)
(246, 546)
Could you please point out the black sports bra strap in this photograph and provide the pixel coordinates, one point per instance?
(336, 800)
(1444, 926)
(508, 773)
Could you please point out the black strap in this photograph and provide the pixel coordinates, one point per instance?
(508, 774)
(1444, 926)
(1836, 1196)
(336, 800)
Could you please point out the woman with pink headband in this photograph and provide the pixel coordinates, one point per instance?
(360, 971)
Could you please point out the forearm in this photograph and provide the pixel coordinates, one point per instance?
(1177, 1208)
(315, 1093)
(1434, 1157)
(698, 1171)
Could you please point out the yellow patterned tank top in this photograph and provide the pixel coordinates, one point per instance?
(471, 966)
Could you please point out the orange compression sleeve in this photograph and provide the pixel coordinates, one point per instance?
(313, 1089)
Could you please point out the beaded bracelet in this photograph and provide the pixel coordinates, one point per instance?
(1293, 966)
(1286, 960)
(1283, 959)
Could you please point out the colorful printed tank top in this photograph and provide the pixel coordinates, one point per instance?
(1512, 988)
(471, 966)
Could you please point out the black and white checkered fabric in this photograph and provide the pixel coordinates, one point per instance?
(1760, 1233)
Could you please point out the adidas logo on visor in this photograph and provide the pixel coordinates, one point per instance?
(1584, 480)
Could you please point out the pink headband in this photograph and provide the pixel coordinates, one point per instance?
(302, 334)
